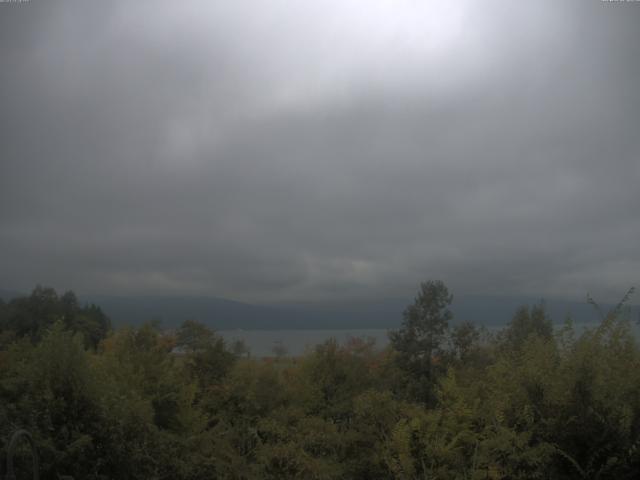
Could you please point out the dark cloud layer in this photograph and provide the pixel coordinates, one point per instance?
(279, 150)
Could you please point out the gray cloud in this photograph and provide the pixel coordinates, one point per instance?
(324, 150)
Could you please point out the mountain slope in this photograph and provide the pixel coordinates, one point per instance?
(223, 314)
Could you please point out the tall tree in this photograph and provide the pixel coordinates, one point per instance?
(464, 337)
(527, 322)
(418, 342)
(32, 316)
(207, 358)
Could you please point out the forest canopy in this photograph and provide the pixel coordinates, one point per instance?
(444, 400)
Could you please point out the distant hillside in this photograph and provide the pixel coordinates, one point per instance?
(224, 314)
(171, 311)
(7, 295)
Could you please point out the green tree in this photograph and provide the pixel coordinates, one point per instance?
(418, 343)
(207, 358)
(525, 323)
(193, 336)
(50, 390)
(464, 337)
(32, 316)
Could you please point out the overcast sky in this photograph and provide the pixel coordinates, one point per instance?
(274, 150)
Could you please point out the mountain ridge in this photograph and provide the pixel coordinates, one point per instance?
(225, 314)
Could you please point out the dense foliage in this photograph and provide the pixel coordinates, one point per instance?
(442, 402)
